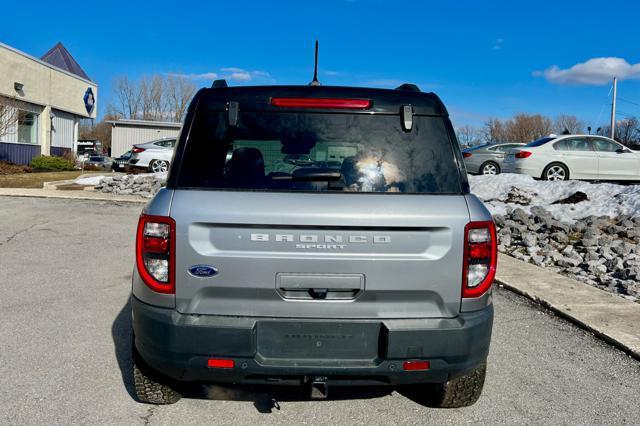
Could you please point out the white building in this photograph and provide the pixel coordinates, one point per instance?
(41, 103)
(126, 133)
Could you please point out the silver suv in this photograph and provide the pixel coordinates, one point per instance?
(315, 236)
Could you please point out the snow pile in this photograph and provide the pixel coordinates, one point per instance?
(507, 191)
(143, 185)
(588, 231)
(90, 180)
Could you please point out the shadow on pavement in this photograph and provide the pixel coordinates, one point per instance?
(121, 334)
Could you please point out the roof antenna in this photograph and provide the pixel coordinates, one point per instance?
(315, 81)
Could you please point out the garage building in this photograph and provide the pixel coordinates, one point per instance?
(126, 133)
(41, 103)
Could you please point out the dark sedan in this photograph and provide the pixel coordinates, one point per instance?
(120, 164)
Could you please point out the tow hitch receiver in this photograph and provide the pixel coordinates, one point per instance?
(319, 387)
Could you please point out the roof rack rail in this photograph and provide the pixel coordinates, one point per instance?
(408, 87)
(219, 84)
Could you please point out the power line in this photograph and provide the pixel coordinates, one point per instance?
(628, 101)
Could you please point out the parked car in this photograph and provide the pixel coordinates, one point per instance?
(100, 161)
(376, 271)
(575, 156)
(487, 159)
(154, 156)
(120, 164)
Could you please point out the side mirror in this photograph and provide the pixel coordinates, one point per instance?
(622, 151)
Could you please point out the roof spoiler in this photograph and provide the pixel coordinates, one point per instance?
(219, 84)
(408, 87)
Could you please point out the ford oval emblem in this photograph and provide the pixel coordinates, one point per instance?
(202, 271)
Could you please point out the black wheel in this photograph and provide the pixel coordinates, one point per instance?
(555, 171)
(150, 386)
(462, 391)
(490, 168)
(159, 166)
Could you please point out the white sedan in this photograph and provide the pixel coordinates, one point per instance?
(153, 156)
(576, 157)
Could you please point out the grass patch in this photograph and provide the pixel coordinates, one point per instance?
(35, 180)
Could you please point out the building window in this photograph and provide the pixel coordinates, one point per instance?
(27, 127)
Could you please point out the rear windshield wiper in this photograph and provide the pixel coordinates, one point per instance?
(312, 174)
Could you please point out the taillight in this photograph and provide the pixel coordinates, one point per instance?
(523, 154)
(466, 154)
(136, 150)
(155, 252)
(480, 258)
(321, 103)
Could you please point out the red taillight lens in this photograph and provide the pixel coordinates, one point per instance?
(416, 365)
(523, 154)
(137, 150)
(155, 252)
(480, 258)
(321, 103)
(466, 154)
(220, 363)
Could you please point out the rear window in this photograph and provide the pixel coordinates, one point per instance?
(539, 142)
(294, 151)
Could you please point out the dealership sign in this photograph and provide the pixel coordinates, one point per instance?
(89, 100)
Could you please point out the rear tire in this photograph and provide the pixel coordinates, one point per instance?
(158, 166)
(462, 391)
(489, 168)
(555, 171)
(150, 386)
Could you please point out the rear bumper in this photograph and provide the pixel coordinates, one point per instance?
(178, 346)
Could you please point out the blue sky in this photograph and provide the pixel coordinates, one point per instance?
(485, 59)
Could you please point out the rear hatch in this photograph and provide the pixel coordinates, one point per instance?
(307, 213)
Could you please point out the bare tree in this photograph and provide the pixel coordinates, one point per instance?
(156, 98)
(568, 123)
(127, 95)
(8, 117)
(468, 135)
(526, 128)
(179, 92)
(494, 131)
(144, 96)
(628, 131)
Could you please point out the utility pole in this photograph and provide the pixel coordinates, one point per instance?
(613, 107)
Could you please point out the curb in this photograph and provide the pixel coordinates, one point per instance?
(609, 317)
(69, 195)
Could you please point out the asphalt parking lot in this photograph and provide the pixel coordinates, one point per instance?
(65, 270)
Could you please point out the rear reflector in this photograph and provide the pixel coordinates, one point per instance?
(523, 154)
(220, 363)
(321, 103)
(415, 365)
(466, 154)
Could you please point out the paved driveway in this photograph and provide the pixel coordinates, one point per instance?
(65, 270)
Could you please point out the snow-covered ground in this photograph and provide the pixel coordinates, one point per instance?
(95, 180)
(604, 199)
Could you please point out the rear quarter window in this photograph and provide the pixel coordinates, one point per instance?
(309, 151)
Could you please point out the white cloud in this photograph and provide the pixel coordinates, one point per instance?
(384, 82)
(595, 71)
(239, 76)
(229, 73)
(231, 69)
(203, 76)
